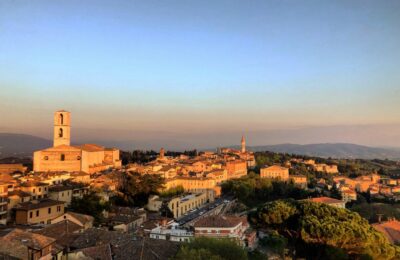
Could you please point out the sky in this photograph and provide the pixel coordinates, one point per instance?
(202, 73)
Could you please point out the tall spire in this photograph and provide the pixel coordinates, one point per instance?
(243, 142)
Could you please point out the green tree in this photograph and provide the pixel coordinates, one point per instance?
(90, 204)
(202, 248)
(173, 191)
(325, 226)
(136, 188)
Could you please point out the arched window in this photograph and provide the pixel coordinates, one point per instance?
(61, 119)
(60, 132)
(62, 157)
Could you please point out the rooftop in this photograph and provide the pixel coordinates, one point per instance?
(390, 229)
(220, 221)
(59, 188)
(325, 200)
(16, 243)
(37, 204)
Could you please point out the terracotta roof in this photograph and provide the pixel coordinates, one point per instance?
(391, 230)
(349, 192)
(5, 177)
(220, 221)
(81, 217)
(58, 188)
(326, 200)
(126, 246)
(275, 167)
(123, 219)
(19, 193)
(61, 148)
(91, 147)
(33, 184)
(17, 241)
(62, 231)
(102, 252)
(35, 204)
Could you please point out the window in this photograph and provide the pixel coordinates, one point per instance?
(46, 158)
(78, 158)
(60, 132)
(37, 213)
(49, 211)
(62, 157)
(58, 208)
(34, 190)
(40, 189)
(30, 214)
(61, 119)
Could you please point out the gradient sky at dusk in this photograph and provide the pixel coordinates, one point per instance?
(202, 68)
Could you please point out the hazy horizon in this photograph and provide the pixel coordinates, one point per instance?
(135, 139)
(201, 74)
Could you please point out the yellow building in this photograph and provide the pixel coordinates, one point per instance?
(38, 212)
(275, 172)
(326, 168)
(300, 180)
(193, 184)
(89, 158)
(179, 206)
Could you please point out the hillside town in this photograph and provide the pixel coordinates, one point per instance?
(41, 216)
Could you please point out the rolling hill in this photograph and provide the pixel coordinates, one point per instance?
(20, 145)
(335, 150)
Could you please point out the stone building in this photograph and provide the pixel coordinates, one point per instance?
(63, 156)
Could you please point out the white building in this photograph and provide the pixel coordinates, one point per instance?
(171, 232)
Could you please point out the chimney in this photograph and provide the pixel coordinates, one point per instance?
(379, 218)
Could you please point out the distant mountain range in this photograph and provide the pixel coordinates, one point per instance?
(334, 150)
(20, 145)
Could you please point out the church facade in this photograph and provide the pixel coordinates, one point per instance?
(63, 156)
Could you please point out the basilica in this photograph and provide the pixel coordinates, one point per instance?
(63, 156)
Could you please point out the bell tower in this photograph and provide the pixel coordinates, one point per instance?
(62, 128)
(243, 143)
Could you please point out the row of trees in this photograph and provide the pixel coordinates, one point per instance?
(324, 232)
(139, 156)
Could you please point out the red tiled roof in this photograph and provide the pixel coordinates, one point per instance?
(17, 241)
(220, 221)
(38, 204)
(390, 229)
(326, 200)
(91, 147)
